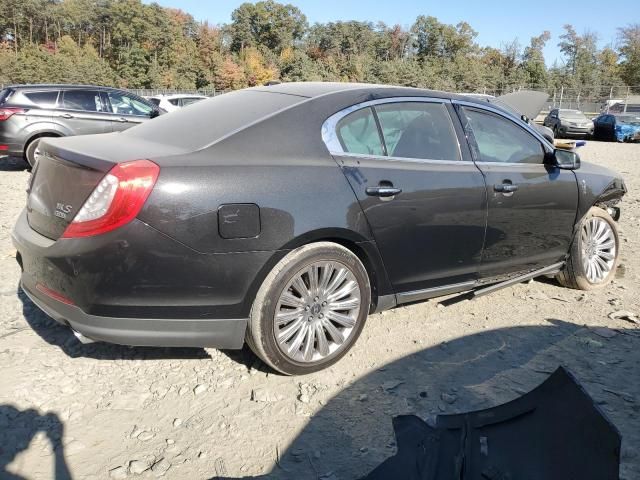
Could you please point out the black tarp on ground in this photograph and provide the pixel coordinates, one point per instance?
(555, 432)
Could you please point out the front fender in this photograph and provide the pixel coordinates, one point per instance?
(598, 185)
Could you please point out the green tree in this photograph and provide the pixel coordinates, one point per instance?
(268, 24)
(629, 38)
(533, 60)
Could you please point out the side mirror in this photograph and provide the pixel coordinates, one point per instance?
(566, 159)
(154, 113)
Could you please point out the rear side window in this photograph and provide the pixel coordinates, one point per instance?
(500, 140)
(46, 99)
(418, 130)
(174, 101)
(86, 100)
(358, 133)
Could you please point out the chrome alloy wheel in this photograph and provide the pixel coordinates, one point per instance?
(598, 249)
(317, 312)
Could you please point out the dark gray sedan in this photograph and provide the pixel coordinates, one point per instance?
(285, 215)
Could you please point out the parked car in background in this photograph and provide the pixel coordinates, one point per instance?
(565, 122)
(170, 103)
(285, 215)
(621, 128)
(622, 108)
(29, 113)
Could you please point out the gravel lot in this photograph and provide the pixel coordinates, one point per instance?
(105, 411)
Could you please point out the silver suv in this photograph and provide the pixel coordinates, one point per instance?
(31, 112)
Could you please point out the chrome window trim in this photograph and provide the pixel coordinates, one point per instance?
(507, 116)
(330, 136)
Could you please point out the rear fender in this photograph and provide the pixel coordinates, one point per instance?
(45, 128)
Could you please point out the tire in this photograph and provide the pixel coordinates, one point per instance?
(301, 313)
(576, 273)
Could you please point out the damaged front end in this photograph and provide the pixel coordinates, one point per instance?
(554, 432)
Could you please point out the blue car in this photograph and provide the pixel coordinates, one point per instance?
(621, 128)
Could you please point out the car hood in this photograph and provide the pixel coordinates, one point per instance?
(525, 102)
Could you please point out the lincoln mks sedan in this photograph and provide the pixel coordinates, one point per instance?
(282, 216)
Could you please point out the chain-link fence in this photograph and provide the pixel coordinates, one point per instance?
(592, 100)
(150, 92)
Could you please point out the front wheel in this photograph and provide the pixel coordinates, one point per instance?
(594, 254)
(310, 309)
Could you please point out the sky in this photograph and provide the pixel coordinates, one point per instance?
(497, 22)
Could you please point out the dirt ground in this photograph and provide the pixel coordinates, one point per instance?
(106, 411)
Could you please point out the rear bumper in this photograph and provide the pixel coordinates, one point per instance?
(13, 150)
(154, 332)
(136, 286)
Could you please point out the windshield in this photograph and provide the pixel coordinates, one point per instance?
(572, 115)
(629, 119)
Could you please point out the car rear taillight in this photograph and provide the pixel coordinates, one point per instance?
(53, 294)
(116, 200)
(7, 112)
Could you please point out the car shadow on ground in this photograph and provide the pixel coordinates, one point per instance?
(61, 336)
(352, 433)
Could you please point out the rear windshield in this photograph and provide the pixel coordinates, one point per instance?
(205, 122)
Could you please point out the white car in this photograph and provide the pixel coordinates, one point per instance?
(169, 103)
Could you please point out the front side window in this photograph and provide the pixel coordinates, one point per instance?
(418, 130)
(86, 100)
(122, 104)
(358, 133)
(46, 99)
(500, 140)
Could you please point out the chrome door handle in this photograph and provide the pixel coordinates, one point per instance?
(384, 192)
(122, 120)
(505, 188)
(66, 115)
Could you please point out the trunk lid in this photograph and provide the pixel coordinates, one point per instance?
(60, 183)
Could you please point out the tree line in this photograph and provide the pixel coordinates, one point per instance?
(135, 45)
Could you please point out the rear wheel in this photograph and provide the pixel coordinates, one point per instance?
(310, 309)
(31, 151)
(594, 254)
